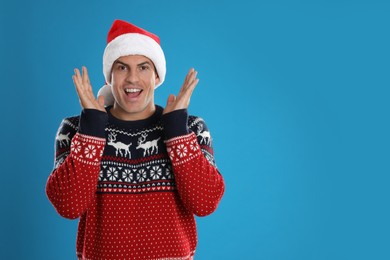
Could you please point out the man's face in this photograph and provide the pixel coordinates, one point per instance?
(133, 80)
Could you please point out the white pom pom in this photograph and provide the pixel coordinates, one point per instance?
(106, 92)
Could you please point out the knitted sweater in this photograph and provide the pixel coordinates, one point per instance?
(135, 185)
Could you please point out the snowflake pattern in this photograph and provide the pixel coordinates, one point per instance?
(156, 172)
(181, 150)
(59, 162)
(112, 174)
(90, 151)
(141, 175)
(169, 173)
(171, 152)
(101, 152)
(75, 147)
(127, 175)
(138, 175)
(194, 146)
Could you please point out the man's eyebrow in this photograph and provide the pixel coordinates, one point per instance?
(145, 63)
(120, 62)
(140, 64)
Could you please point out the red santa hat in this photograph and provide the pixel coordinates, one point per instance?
(127, 39)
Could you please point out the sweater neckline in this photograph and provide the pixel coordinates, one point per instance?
(135, 124)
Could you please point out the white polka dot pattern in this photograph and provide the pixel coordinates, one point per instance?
(157, 225)
(71, 187)
(198, 182)
(143, 226)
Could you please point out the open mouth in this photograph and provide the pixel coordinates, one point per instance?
(133, 92)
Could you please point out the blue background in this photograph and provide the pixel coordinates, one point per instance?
(296, 94)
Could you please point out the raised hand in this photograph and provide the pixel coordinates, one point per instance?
(84, 90)
(183, 98)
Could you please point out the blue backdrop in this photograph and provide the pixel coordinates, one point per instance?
(296, 94)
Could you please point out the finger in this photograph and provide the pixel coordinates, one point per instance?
(191, 87)
(74, 78)
(171, 99)
(189, 79)
(184, 97)
(186, 79)
(193, 77)
(86, 81)
(191, 84)
(77, 76)
(190, 75)
(85, 75)
(83, 90)
(87, 84)
(190, 72)
(77, 81)
(79, 88)
(101, 100)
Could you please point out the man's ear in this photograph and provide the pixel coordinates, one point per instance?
(157, 81)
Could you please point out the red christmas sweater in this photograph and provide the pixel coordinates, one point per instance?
(135, 186)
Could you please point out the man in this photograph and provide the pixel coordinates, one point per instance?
(133, 172)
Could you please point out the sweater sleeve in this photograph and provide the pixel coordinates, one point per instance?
(79, 147)
(199, 183)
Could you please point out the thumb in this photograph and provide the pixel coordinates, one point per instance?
(171, 99)
(101, 100)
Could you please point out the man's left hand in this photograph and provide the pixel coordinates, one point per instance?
(182, 100)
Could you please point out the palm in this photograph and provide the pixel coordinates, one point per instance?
(183, 98)
(85, 93)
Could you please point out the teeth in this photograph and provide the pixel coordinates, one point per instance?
(132, 90)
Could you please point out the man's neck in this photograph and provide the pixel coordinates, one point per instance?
(121, 114)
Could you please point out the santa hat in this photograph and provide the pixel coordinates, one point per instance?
(127, 39)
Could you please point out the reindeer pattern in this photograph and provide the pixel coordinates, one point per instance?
(117, 170)
(205, 137)
(119, 146)
(63, 139)
(123, 149)
(144, 146)
(149, 147)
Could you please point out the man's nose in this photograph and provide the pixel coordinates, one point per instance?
(132, 76)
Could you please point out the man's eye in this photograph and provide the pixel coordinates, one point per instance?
(144, 67)
(120, 67)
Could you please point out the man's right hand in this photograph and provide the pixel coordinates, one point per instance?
(84, 90)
